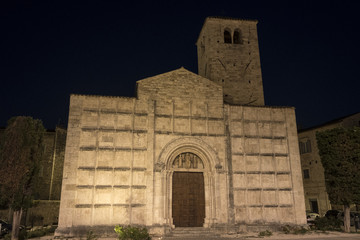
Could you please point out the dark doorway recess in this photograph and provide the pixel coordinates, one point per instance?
(188, 199)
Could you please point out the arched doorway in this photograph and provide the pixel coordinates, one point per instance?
(188, 195)
(168, 164)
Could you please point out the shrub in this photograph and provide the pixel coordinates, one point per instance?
(327, 224)
(91, 236)
(132, 233)
(287, 229)
(266, 233)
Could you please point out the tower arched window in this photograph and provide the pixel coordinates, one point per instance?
(227, 36)
(237, 37)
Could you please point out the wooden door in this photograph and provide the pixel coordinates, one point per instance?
(188, 199)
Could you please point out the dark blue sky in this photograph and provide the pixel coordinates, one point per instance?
(309, 51)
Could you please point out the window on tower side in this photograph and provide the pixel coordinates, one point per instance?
(227, 36)
(237, 37)
(306, 173)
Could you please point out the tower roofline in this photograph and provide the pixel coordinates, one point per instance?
(224, 18)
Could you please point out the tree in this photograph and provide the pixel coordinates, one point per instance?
(20, 153)
(339, 150)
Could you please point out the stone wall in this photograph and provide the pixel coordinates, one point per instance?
(235, 67)
(121, 154)
(265, 165)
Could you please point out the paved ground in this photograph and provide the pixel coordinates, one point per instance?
(254, 236)
(276, 236)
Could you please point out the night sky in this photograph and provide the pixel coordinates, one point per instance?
(309, 52)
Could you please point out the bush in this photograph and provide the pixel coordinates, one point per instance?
(327, 224)
(287, 229)
(132, 233)
(91, 236)
(39, 232)
(266, 233)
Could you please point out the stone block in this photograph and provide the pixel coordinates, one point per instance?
(181, 125)
(85, 177)
(285, 197)
(198, 126)
(139, 178)
(84, 196)
(270, 215)
(138, 215)
(105, 158)
(122, 158)
(140, 140)
(139, 159)
(102, 215)
(238, 163)
(107, 120)
(106, 139)
(267, 163)
(121, 177)
(103, 196)
(283, 180)
(252, 163)
(253, 180)
(82, 216)
(124, 122)
(282, 164)
(108, 103)
(123, 139)
(266, 146)
(120, 215)
(89, 119)
(138, 196)
(121, 195)
(163, 124)
(237, 145)
(252, 145)
(255, 214)
(104, 177)
(250, 129)
(87, 159)
(216, 127)
(140, 123)
(88, 139)
(239, 180)
(268, 180)
(265, 129)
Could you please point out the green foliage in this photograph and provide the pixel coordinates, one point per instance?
(266, 233)
(287, 229)
(133, 233)
(339, 150)
(327, 224)
(20, 153)
(91, 236)
(39, 232)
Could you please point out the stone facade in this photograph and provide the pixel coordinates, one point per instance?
(122, 155)
(316, 198)
(228, 54)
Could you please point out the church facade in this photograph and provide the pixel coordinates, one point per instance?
(188, 151)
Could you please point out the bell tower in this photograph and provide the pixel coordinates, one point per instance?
(228, 54)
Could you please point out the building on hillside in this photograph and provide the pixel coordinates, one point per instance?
(316, 197)
(188, 151)
(45, 210)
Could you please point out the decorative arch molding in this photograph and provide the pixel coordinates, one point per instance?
(164, 167)
(188, 144)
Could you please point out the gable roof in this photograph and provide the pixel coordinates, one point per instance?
(179, 83)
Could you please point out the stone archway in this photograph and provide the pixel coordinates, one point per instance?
(167, 159)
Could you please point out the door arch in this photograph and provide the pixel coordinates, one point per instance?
(209, 159)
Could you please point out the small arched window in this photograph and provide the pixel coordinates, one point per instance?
(227, 36)
(237, 37)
